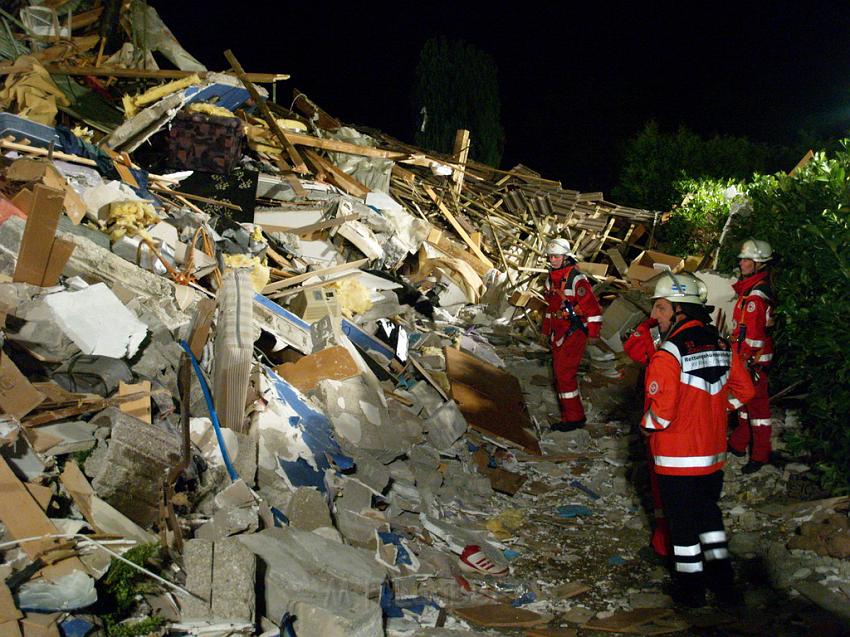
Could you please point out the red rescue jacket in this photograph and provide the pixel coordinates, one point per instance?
(688, 385)
(753, 309)
(569, 284)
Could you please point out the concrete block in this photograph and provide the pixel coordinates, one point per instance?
(233, 582)
(308, 510)
(137, 459)
(224, 574)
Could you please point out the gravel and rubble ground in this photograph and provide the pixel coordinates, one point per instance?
(565, 537)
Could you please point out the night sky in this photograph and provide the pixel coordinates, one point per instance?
(577, 79)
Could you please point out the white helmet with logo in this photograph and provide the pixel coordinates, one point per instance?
(758, 251)
(681, 288)
(558, 246)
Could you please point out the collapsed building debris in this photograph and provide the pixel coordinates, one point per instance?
(301, 357)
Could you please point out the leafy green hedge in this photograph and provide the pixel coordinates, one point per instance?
(806, 219)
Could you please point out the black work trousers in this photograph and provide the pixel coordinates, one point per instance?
(700, 546)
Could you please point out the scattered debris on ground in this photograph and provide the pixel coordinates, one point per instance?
(268, 373)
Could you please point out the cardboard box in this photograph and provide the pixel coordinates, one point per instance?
(594, 269)
(649, 263)
(38, 170)
(17, 395)
(692, 262)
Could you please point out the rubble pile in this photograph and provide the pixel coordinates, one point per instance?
(267, 373)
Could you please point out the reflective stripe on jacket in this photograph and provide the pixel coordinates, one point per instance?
(569, 284)
(688, 385)
(753, 309)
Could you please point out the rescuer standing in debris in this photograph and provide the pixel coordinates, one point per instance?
(692, 381)
(752, 319)
(640, 346)
(572, 317)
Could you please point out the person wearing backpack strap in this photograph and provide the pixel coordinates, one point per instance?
(693, 380)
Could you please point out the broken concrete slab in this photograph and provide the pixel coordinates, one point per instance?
(308, 510)
(137, 459)
(326, 585)
(222, 574)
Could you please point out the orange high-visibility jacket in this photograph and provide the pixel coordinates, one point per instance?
(753, 309)
(688, 385)
(569, 284)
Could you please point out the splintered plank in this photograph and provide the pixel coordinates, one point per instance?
(500, 615)
(637, 621)
(336, 175)
(551, 632)
(23, 518)
(490, 399)
(298, 164)
(456, 225)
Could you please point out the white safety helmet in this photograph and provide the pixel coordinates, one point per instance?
(558, 246)
(681, 288)
(758, 251)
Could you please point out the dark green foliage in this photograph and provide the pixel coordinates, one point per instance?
(139, 629)
(654, 161)
(696, 222)
(457, 84)
(805, 219)
(119, 589)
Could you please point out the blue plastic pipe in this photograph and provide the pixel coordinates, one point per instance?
(211, 407)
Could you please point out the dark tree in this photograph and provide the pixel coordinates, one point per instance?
(457, 86)
(655, 160)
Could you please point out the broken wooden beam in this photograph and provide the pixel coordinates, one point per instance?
(456, 225)
(159, 74)
(336, 175)
(298, 164)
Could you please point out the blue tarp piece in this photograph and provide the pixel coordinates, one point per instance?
(224, 95)
(317, 433)
(616, 560)
(402, 557)
(573, 511)
(75, 627)
(393, 607)
(525, 598)
(510, 554)
(366, 341)
(73, 145)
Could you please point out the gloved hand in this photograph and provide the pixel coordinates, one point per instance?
(639, 346)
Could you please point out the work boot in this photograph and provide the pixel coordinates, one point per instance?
(688, 590)
(720, 579)
(569, 425)
(752, 466)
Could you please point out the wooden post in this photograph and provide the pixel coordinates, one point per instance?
(461, 153)
(298, 164)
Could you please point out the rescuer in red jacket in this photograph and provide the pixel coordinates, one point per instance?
(640, 346)
(753, 318)
(692, 381)
(572, 317)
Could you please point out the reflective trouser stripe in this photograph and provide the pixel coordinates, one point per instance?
(689, 551)
(712, 537)
(714, 545)
(568, 394)
(716, 554)
(689, 567)
(761, 422)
